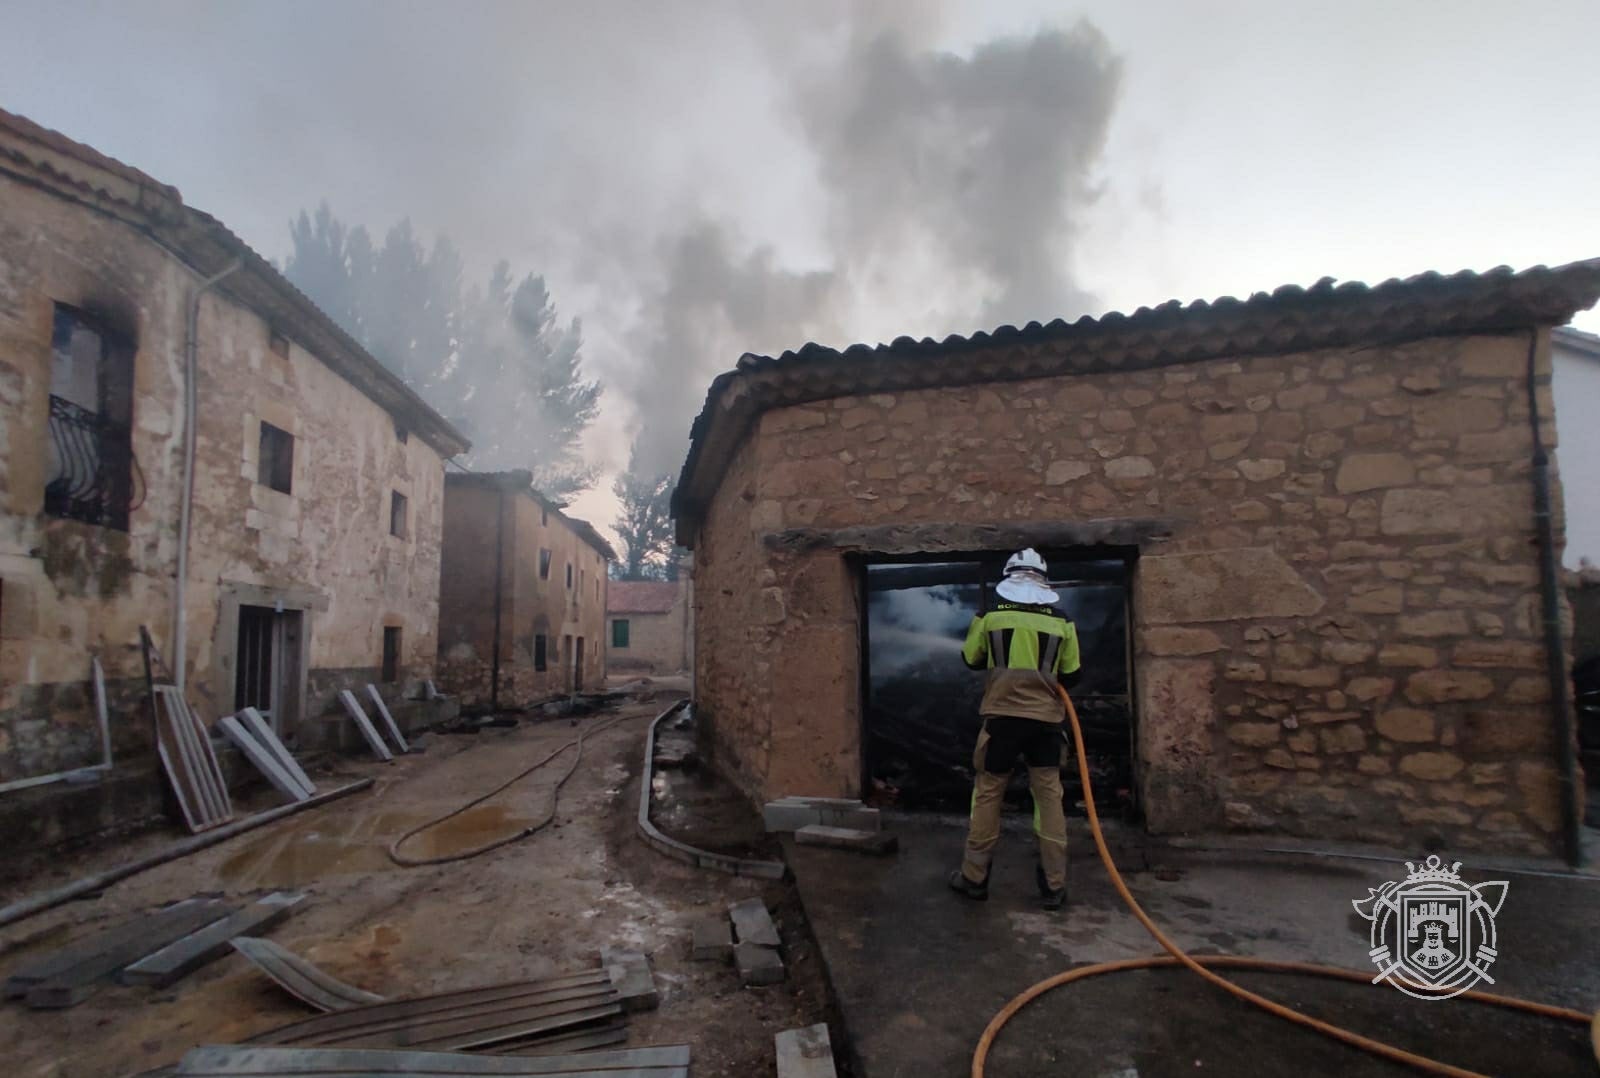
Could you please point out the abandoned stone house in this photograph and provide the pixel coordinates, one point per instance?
(523, 601)
(1299, 533)
(649, 626)
(296, 555)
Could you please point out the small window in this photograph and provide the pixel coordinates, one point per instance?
(278, 344)
(619, 633)
(540, 660)
(397, 514)
(391, 653)
(569, 576)
(544, 516)
(544, 564)
(275, 468)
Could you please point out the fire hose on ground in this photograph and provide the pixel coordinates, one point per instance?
(1205, 967)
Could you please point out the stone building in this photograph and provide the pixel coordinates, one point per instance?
(1312, 513)
(648, 631)
(522, 608)
(306, 558)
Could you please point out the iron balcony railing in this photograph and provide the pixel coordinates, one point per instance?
(95, 476)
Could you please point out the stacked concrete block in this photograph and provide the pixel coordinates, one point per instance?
(630, 974)
(877, 843)
(756, 952)
(805, 1053)
(712, 940)
(793, 813)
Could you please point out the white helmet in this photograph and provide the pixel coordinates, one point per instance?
(1026, 561)
(1025, 580)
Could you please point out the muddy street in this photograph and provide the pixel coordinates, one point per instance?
(535, 908)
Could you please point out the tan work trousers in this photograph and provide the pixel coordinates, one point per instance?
(1049, 818)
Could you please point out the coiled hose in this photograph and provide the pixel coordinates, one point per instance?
(555, 795)
(1176, 956)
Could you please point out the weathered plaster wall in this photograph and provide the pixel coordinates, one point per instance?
(1338, 639)
(657, 643)
(529, 605)
(69, 591)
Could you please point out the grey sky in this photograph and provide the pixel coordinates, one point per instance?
(697, 179)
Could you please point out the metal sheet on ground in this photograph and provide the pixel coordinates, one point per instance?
(75, 976)
(188, 954)
(353, 707)
(252, 1061)
(210, 771)
(301, 979)
(584, 1040)
(262, 758)
(263, 733)
(388, 719)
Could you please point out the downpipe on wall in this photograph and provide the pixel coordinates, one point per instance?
(191, 409)
(1550, 615)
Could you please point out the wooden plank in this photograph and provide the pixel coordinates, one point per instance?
(396, 1014)
(388, 719)
(184, 956)
(255, 1061)
(300, 978)
(262, 731)
(263, 760)
(71, 986)
(364, 724)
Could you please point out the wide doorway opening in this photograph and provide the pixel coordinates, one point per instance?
(921, 701)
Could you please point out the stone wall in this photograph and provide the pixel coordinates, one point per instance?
(530, 606)
(69, 590)
(1337, 637)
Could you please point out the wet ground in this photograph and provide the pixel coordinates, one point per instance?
(533, 909)
(919, 971)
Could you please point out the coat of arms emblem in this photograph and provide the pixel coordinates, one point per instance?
(1433, 936)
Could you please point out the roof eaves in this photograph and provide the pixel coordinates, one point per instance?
(1289, 319)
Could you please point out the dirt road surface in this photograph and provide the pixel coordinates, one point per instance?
(539, 907)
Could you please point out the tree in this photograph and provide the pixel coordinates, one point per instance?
(495, 361)
(645, 526)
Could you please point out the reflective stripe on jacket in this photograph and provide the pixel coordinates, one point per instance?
(1024, 649)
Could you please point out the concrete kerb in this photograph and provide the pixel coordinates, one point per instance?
(682, 851)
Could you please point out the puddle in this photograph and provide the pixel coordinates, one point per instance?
(358, 845)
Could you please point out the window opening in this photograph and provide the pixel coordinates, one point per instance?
(540, 660)
(93, 473)
(619, 633)
(397, 514)
(544, 564)
(275, 465)
(391, 653)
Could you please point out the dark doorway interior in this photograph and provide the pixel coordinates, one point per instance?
(267, 661)
(922, 702)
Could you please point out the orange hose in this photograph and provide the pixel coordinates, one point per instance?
(1176, 956)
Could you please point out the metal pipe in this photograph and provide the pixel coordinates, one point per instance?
(499, 588)
(97, 675)
(191, 409)
(1550, 614)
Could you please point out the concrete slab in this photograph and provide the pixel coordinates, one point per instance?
(920, 971)
(753, 924)
(877, 843)
(630, 974)
(758, 965)
(792, 813)
(712, 940)
(805, 1053)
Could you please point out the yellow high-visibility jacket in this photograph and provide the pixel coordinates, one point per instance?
(1024, 649)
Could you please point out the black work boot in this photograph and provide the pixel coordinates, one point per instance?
(1050, 900)
(963, 886)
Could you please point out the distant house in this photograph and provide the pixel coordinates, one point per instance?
(277, 531)
(649, 628)
(1575, 357)
(523, 600)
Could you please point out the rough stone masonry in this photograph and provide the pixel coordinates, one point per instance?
(1335, 599)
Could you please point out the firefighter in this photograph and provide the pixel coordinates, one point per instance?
(1025, 645)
